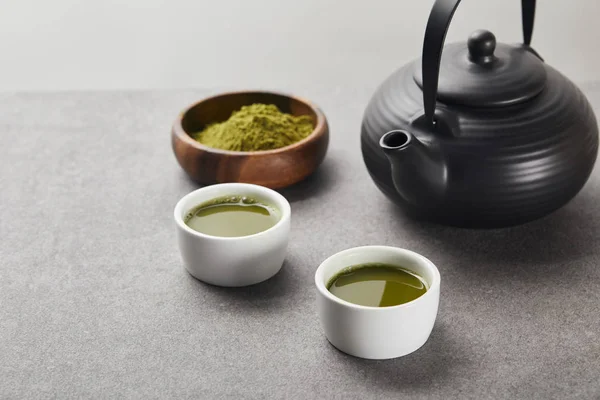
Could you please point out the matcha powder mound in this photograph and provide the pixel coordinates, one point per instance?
(256, 127)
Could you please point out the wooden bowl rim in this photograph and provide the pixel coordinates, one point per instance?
(320, 127)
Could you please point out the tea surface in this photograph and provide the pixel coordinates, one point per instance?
(232, 216)
(377, 285)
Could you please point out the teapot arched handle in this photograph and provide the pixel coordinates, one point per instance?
(433, 44)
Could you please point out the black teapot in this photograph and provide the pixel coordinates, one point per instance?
(487, 135)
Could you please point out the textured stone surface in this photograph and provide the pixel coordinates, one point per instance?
(94, 301)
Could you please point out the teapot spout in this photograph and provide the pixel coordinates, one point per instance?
(419, 172)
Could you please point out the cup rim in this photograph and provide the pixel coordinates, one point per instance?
(281, 203)
(435, 284)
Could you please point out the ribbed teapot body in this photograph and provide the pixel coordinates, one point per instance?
(505, 165)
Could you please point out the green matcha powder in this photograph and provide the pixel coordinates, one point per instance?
(254, 128)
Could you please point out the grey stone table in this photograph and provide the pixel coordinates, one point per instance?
(95, 303)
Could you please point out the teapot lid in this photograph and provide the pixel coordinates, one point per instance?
(481, 73)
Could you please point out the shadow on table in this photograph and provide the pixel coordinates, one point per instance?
(320, 181)
(315, 184)
(555, 241)
(441, 359)
(265, 296)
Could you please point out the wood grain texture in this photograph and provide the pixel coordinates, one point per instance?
(275, 169)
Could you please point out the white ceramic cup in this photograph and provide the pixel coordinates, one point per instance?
(377, 332)
(233, 261)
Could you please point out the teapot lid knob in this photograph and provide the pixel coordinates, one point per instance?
(481, 46)
(479, 73)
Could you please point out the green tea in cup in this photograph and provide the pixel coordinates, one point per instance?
(377, 285)
(232, 216)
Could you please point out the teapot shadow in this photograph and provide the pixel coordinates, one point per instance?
(264, 296)
(440, 360)
(538, 248)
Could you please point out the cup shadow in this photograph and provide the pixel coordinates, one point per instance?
(265, 296)
(440, 360)
(542, 247)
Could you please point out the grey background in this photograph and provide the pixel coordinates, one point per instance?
(139, 44)
(95, 303)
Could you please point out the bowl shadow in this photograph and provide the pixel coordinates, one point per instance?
(315, 184)
(441, 359)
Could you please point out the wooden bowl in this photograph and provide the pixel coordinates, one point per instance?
(271, 168)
